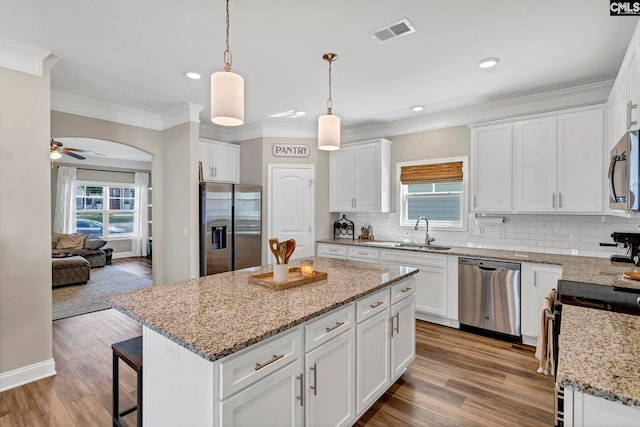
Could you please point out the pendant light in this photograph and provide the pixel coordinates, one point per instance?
(227, 92)
(329, 124)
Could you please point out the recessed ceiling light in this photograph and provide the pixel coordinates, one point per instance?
(194, 76)
(488, 62)
(300, 113)
(417, 108)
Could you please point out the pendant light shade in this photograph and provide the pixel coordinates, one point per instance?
(227, 92)
(329, 124)
(227, 98)
(329, 132)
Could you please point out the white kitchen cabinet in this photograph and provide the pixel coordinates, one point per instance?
(431, 281)
(275, 400)
(359, 253)
(360, 177)
(536, 281)
(220, 161)
(331, 376)
(585, 410)
(332, 251)
(373, 343)
(558, 163)
(491, 165)
(403, 336)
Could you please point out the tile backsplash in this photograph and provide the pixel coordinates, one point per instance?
(555, 234)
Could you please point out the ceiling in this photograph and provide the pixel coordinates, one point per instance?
(136, 53)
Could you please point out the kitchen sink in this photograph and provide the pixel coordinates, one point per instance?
(423, 247)
(382, 244)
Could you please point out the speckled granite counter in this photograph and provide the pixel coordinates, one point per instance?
(600, 353)
(217, 315)
(575, 268)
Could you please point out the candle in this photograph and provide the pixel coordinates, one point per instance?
(306, 268)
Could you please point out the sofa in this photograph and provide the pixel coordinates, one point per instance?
(87, 246)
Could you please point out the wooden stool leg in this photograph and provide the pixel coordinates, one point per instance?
(139, 397)
(115, 392)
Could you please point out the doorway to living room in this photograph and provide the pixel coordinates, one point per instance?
(101, 204)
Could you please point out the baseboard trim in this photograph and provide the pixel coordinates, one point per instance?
(27, 374)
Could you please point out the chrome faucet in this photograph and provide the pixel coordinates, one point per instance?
(427, 239)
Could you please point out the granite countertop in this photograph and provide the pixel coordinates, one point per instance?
(599, 353)
(217, 315)
(578, 269)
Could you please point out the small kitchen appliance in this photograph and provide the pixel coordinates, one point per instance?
(624, 173)
(631, 241)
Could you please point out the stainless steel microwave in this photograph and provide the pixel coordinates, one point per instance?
(624, 173)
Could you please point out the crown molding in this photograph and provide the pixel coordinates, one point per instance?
(580, 96)
(87, 107)
(22, 57)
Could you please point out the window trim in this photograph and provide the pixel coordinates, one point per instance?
(105, 221)
(435, 225)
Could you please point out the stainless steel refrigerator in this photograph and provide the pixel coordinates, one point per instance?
(230, 227)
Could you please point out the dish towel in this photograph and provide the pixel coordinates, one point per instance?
(544, 347)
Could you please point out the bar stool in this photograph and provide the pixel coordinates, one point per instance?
(130, 351)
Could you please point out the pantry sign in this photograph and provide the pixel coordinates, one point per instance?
(291, 150)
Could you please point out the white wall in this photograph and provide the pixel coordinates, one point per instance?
(25, 230)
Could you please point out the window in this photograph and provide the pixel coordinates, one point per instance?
(435, 189)
(105, 210)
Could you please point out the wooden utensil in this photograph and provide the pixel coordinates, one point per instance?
(291, 246)
(282, 252)
(273, 245)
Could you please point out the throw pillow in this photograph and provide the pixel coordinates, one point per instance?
(90, 243)
(55, 237)
(71, 241)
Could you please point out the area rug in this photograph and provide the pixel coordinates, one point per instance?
(80, 299)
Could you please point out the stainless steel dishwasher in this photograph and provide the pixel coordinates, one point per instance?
(489, 295)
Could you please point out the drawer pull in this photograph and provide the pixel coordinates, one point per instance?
(363, 253)
(378, 304)
(405, 290)
(397, 316)
(301, 397)
(269, 362)
(336, 326)
(314, 387)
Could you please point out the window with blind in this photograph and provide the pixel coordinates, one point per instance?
(434, 189)
(105, 210)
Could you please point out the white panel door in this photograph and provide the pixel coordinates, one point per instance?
(431, 290)
(580, 161)
(291, 201)
(534, 144)
(373, 341)
(403, 336)
(491, 164)
(342, 180)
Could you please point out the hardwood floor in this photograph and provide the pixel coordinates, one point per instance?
(137, 265)
(457, 379)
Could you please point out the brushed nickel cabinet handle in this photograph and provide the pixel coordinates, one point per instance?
(391, 326)
(336, 326)
(475, 201)
(301, 397)
(553, 200)
(397, 316)
(378, 304)
(559, 200)
(314, 387)
(405, 290)
(269, 362)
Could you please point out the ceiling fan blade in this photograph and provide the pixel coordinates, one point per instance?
(77, 156)
(78, 150)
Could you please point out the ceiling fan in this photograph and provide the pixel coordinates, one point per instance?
(57, 150)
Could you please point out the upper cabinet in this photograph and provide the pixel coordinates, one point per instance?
(220, 161)
(491, 168)
(558, 163)
(360, 177)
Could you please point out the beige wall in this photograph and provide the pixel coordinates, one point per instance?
(251, 162)
(432, 144)
(25, 230)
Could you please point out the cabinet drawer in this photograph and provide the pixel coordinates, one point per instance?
(332, 251)
(402, 290)
(364, 254)
(414, 259)
(372, 305)
(319, 331)
(242, 369)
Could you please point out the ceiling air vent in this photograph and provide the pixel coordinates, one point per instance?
(400, 28)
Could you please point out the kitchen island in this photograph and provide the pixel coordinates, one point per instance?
(219, 350)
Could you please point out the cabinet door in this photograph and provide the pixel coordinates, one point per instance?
(373, 341)
(341, 180)
(580, 161)
(403, 336)
(537, 280)
(275, 400)
(431, 290)
(225, 161)
(491, 164)
(534, 144)
(367, 178)
(205, 158)
(330, 382)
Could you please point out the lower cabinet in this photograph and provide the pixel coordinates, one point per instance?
(586, 410)
(536, 281)
(403, 336)
(332, 251)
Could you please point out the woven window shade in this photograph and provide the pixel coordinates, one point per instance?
(429, 174)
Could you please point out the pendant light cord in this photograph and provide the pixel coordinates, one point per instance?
(329, 101)
(227, 52)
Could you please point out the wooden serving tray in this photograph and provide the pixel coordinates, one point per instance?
(295, 279)
(633, 275)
